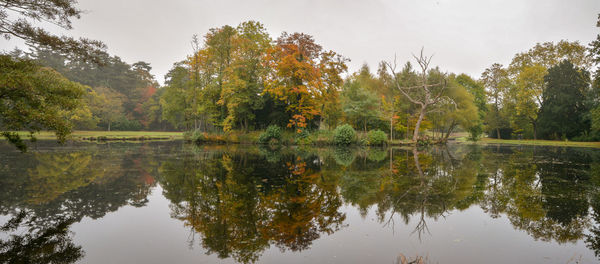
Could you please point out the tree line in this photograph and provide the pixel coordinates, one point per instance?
(239, 78)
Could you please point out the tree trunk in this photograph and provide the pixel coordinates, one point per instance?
(108, 126)
(498, 133)
(450, 129)
(418, 124)
(391, 128)
(534, 130)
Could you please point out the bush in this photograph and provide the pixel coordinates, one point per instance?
(424, 141)
(273, 132)
(344, 135)
(475, 132)
(194, 136)
(376, 138)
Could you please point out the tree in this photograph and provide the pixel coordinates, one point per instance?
(495, 80)
(527, 69)
(427, 96)
(563, 109)
(108, 105)
(477, 89)
(359, 103)
(16, 19)
(177, 99)
(594, 95)
(33, 98)
(548, 54)
(527, 94)
(332, 65)
(41, 103)
(242, 84)
(301, 76)
(461, 112)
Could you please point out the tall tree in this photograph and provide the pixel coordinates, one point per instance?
(477, 89)
(243, 78)
(495, 80)
(426, 95)
(563, 109)
(359, 103)
(528, 69)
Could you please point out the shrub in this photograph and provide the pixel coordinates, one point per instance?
(424, 141)
(273, 132)
(475, 132)
(194, 136)
(376, 138)
(344, 135)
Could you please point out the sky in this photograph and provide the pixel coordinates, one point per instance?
(465, 36)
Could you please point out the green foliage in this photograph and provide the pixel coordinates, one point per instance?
(17, 18)
(475, 132)
(194, 136)
(562, 113)
(273, 132)
(344, 135)
(33, 98)
(425, 141)
(359, 103)
(376, 138)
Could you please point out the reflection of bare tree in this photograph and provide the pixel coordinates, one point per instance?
(424, 190)
(425, 185)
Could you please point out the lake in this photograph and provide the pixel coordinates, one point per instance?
(170, 202)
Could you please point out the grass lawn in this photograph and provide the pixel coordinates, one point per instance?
(77, 135)
(535, 142)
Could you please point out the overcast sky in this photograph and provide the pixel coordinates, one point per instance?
(466, 36)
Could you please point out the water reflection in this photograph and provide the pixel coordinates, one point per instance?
(46, 192)
(37, 244)
(239, 201)
(242, 202)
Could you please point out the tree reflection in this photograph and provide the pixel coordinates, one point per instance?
(45, 192)
(544, 193)
(37, 245)
(240, 203)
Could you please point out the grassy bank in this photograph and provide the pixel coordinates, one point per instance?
(289, 138)
(556, 143)
(109, 135)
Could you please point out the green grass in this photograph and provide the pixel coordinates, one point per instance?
(538, 142)
(109, 135)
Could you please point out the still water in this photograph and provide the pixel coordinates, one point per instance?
(169, 202)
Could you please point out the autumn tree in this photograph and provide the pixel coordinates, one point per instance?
(426, 95)
(297, 78)
(242, 79)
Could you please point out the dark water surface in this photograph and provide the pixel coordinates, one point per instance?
(168, 202)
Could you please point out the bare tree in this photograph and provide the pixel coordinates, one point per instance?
(427, 96)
